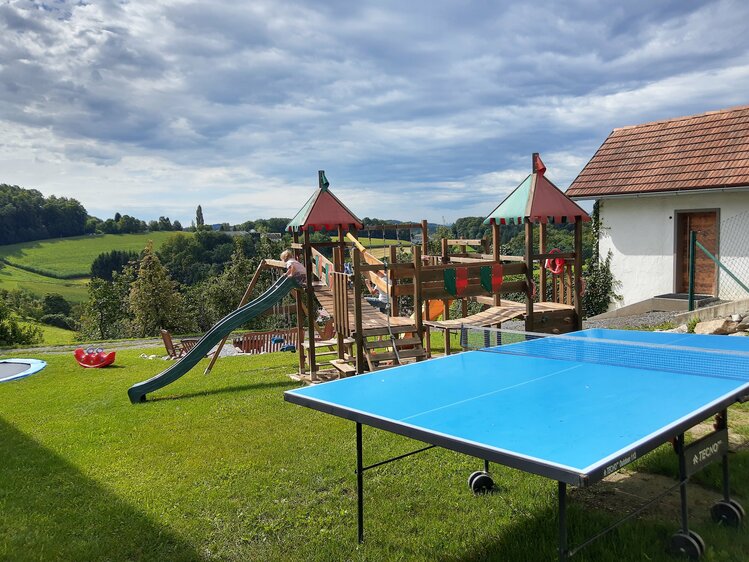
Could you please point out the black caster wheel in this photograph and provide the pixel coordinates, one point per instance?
(690, 545)
(700, 542)
(727, 513)
(738, 506)
(473, 476)
(480, 482)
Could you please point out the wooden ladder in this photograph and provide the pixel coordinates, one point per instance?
(381, 353)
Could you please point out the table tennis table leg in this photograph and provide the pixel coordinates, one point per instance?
(359, 483)
(562, 493)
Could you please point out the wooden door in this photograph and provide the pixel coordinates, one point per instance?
(705, 275)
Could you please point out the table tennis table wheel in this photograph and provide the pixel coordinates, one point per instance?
(729, 513)
(480, 482)
(690, 545)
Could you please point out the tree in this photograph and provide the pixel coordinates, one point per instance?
(54, 303)
(12, 333)
(226, 290)
(108, 263)
(600, 284)
(105, 314)
(176, 225)
(165, 223)
(154, 300)
(199, 217)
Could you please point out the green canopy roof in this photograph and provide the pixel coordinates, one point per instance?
(538, 200)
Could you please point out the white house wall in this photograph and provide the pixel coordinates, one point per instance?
(640, 231)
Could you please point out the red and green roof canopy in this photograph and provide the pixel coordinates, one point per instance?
(538, 200)
(323, 211)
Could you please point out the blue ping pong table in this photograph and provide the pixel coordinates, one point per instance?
(590, 403)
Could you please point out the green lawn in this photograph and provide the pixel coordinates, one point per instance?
(12, 278)
(219, 467)
(73, 256)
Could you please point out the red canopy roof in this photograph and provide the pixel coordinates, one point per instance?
(323, 211)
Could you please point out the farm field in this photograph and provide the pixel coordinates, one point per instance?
(220, 467)
(11, 278)
(62, 265)
(72, 257)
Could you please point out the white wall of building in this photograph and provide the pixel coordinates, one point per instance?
(640, 233)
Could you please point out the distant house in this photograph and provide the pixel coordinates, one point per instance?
(656, 182)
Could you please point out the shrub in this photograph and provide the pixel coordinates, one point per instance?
(12, 333)
(58, 320)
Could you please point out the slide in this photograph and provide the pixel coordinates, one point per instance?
(275, 294)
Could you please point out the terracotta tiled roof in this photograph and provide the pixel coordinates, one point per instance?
(697, 152)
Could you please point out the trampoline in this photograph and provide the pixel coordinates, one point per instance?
(14, 369)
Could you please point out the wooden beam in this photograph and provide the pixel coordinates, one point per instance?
(579, 271)
(243, 301)
(358, 335)
(418, 297)
(310, 306)
(542, 250)
(424, 238)
(529, 275)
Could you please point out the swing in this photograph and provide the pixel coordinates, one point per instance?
(278, 310)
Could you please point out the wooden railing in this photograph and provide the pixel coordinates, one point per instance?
(262, 342)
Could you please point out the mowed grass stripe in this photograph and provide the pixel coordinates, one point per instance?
(73, 256)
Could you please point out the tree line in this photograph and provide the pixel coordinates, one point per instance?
(25, 214)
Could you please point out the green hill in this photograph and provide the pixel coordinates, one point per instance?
(62, 265)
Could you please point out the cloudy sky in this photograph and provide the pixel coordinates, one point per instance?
(415, 109)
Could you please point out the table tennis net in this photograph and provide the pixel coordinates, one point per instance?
(686, 360)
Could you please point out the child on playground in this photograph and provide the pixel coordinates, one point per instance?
(294, 268)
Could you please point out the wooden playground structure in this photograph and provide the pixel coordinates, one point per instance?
(461, 272)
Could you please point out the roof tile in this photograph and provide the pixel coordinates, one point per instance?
(695, 152)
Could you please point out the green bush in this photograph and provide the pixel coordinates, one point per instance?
(11, 333)
(58, 320)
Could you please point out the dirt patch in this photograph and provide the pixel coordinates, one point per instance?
(624, 492)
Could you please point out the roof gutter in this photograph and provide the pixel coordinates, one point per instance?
(659, 193)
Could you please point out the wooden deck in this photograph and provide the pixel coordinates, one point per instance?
(372, 319)
(496, 315)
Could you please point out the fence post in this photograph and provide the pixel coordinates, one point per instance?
(692, 260)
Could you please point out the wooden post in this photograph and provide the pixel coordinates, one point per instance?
(445, 251)
(542, 273)
(394, 306)
(579, 271)
(529, 274)
(425, 237)
(339, 256)
(310, 305)
(299, 312)
(358, 336)
(417, 293)
(496, 254)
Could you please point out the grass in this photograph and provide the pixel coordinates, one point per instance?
(51, 266)
(219, 467)
(74, 290)
(72, 257)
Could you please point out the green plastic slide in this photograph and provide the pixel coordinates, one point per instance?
(275, 294)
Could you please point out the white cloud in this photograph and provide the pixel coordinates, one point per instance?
(417, 110)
